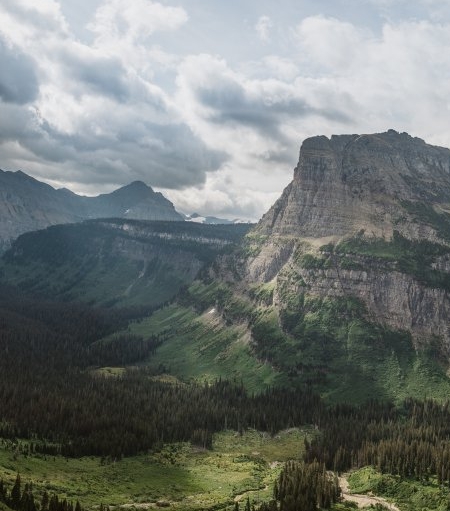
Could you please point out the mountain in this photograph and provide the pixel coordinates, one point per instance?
(115, 261)
(366, 216)
(362, 182)
(344, 283)
(195, 217)
(136, 200)
(26, 204)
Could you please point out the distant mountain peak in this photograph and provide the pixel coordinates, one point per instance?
(27, 204)
(137, 185)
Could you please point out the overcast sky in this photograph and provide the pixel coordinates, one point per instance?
(208, 101)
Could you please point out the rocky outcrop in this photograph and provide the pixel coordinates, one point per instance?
(372, 188)
(392, 298)
(361, 182)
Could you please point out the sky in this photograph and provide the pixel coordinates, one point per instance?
(209, 101)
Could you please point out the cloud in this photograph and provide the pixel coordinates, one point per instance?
(18, 81)
(329, 44)
(95, 73)
(136, 20)
(95, 116)
(257, 121)
(227, 195)
(263, 27)
(157, 92)
(397, 78)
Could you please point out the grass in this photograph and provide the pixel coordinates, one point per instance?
(203, 348)
(185, 476)
(326, 343)
(408, 494)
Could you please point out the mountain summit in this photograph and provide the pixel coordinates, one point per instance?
(350, 183)
(27, 204)
(366, 218)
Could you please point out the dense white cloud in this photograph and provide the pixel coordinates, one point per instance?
(126, 97)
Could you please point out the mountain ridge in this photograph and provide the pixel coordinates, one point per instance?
(27, 204)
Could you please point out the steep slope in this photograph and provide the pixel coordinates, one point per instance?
(27, 205)
(115, 262)
(367, 217)
(352, 182)
(344, 284)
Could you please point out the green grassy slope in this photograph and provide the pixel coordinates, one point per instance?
(202, 348)
(325, 343)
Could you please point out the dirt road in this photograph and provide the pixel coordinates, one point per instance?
(363, 500)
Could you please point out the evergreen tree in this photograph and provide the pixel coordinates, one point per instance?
(16, 494)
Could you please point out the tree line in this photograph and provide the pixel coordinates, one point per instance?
(19, 499)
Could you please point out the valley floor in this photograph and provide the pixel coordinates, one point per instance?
(179, 475)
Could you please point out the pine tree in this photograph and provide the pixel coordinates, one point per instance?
(16, 494)
(44, 501)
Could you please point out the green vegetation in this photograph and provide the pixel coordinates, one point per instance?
(329, 344)
(263, 293)
(408, 494)
(305, 486)
(149, 390)
(203, 348)
(411, 257)
(311, 262)
(115, 262)
(185, 476)
(326, 343)
(252, 243)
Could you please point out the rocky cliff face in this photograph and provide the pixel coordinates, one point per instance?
(366, 216)
(352, 182)
(27, 205)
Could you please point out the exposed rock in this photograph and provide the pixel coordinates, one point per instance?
(369, 187)
(352, 182)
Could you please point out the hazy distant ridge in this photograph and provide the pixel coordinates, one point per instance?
(27, 204)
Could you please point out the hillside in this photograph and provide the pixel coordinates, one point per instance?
(115, 262)
(276, 345)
